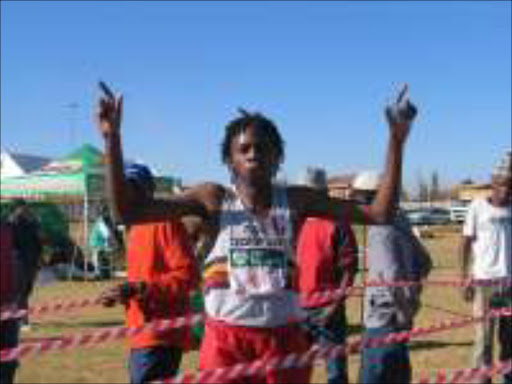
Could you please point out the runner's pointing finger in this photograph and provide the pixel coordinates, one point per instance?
(106, 90)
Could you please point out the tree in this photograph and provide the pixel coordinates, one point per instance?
(423, 192)
(404, 195)
(435, 192)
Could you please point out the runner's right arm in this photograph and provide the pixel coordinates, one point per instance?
(202, 200)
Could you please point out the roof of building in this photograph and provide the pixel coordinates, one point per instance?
(341, 180)
(28, 163)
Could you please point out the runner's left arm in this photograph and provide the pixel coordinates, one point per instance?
(310, 203)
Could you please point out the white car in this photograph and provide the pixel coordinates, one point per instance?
(429, 216)
(458, 211)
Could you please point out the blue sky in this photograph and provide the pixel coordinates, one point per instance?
(322, 70)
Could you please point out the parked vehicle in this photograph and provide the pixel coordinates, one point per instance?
(458, 211)
(439, 216)
(429, 216)
(417, 216)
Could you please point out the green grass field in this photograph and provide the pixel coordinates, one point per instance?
(106, 363)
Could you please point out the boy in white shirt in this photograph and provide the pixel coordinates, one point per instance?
(487, 242)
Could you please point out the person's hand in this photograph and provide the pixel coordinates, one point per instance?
(141, 292)
(110, 109)
(122, 293)
(468, 293)
(111, 296)
(400, 115)
(329, 314)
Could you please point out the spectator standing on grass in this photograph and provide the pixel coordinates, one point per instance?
(252, 308)
(161, 273)
(394, 254)
(326, 260)
(487, 246)
(28, 246)
(9, 296)
(104, 241)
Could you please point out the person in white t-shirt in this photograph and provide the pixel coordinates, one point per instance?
(487, 247)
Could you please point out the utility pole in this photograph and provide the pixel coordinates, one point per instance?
(72, 109)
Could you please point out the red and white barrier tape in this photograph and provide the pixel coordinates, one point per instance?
(11, 313)
(502, 282)
(294, 361)
(14, 313)
(96, 337)
(455, 376)
(107, 335)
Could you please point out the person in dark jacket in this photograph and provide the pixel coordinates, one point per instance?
(9, 294)
(28, 248)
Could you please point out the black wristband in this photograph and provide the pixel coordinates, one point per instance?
(127, 290)
(140, 287)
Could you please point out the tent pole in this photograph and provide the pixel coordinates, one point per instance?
(85, 227)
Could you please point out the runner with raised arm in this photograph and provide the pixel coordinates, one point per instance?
(251, 305)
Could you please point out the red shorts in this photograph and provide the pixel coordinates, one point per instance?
(225, 345)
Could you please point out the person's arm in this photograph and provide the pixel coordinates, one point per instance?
(199, 201)
(345, 261)
(182, 272)
(109, 117)
(347, 250)
(465, 252)
(422, 262)
(178, 275)
(397, 253)
(467, 238)
(468, 291)
(423, 255)
(465, 256)
(310, 202)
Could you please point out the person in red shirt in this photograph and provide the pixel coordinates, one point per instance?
(161, 274)
(327, 260)
(10, 294)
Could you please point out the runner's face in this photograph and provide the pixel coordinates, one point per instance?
(252, 155)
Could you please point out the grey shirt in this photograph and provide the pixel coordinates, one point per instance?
(394, 254)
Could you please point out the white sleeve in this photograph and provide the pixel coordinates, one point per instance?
(469, 228)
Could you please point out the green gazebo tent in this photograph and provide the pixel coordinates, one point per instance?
(76, 178)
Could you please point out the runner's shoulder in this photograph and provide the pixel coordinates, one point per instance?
(209, 193)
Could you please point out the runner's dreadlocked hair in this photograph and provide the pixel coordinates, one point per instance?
(237, 126)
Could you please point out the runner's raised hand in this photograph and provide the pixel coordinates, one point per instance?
(401, 114)
(110, 110)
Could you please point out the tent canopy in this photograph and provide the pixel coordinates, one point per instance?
(83, 159)
(79, 173)
(50, 184)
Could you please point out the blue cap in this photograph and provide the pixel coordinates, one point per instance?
(139, 174)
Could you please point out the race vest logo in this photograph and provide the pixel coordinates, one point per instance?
(257, 271)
